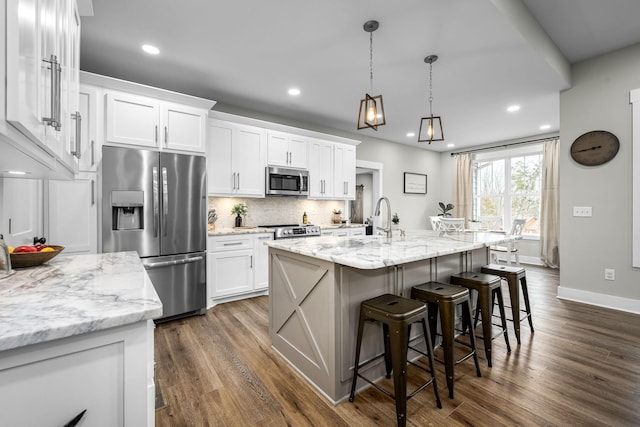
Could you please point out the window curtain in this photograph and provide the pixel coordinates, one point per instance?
(550, 205)
(463, 182)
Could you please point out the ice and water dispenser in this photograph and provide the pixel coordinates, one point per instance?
(127, 210)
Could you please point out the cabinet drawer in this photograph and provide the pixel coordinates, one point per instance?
(229, 243)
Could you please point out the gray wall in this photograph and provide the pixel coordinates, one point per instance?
(599, 100)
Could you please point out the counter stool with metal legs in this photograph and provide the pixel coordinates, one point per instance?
(443, 298)
(488, 288)
(396, 315)
(513, 275)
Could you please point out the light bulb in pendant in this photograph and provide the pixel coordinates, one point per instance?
(430, 131)
(371, 114)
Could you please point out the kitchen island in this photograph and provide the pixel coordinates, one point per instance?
(316, 287)
(76, 333)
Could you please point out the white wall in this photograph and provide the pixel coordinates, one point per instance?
(599, 100)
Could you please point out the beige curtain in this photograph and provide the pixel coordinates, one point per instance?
(550, 206)
(463, 182)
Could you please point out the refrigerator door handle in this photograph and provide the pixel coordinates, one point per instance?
(175, 262)
(156, 201)
(165, 201)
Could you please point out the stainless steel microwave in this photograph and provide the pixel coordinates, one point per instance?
(286, 182)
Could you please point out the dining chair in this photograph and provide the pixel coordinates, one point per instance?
(491, 222)
(512, 248)
(435, 222)
(452, 224)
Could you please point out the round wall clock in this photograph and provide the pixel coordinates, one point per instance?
(595, 148)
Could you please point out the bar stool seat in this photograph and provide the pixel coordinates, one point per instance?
(443, 298)
(513, 275)
(488, 288)
(396, 315)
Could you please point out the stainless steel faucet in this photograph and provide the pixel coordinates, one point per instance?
(388, 229)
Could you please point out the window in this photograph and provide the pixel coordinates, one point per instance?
(507, 185)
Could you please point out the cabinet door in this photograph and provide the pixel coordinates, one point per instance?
(248, 160)
(278, 149)
(73, 220)
(229, 272)
(298, 152)
(345, 171)
(220, 175)
(261, 252)
(183, 127)
(21, 210)
(23, 65)
(89, 108)
(132, 119)
(72, 115)
(321, 169)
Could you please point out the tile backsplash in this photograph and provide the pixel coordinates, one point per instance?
(275, 210)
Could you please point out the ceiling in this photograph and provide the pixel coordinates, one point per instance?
(248, 53)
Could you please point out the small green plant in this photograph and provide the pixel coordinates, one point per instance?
(444, 209)
(395, 219)
(239, 209)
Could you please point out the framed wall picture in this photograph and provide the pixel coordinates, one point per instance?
(415, 183)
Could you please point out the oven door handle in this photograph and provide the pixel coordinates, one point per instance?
(170, 263)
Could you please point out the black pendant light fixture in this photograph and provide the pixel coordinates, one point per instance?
(371, 114)
(431, 126)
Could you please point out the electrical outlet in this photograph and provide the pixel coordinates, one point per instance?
(609, 274)
(582, 211)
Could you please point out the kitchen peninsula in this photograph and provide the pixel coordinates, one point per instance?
(316, 286)
(76, 333)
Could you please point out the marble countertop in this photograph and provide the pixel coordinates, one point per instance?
(371, 252)
(73, 295)
(227, 231)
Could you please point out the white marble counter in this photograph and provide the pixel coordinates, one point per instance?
(230, 231)
(74, 295)
(371, 252)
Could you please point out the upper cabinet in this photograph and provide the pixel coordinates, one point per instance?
(149, 122)
(345, 171)
(41, 54)
(91, 127)
(287, 150)
(235, 159)
(321, 171)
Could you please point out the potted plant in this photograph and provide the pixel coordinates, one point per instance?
(444, 209)
(337, 216)
(395, 219)
(239, 210)
(474, 224)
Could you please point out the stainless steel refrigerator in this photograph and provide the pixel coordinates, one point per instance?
(155, 204)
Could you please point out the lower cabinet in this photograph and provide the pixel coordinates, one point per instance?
(343, 232)
(237, 266)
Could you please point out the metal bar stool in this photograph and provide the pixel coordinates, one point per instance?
(513, 275)
(396, 315)
(488, 288)
(444, 298)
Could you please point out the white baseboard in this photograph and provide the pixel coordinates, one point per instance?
(600, 300)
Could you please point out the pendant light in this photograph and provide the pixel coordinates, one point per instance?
(431, 126)
(371, 114)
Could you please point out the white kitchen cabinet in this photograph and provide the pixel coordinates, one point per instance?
(73, 214)
(287, 150)
(237, 266)
(21, 210)
(90, 109)
(357, 231)
(261, 260)
(235, 159)
(42, 52)
(48, 384)
(343, 231)
(345, 171)
(148, 122)
(321, 173)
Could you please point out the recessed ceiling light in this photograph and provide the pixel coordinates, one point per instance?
(410, 134)
(17, 172)
(451, 145)
(294, 91)
(150, 49)
(545, 127)
(513, 108)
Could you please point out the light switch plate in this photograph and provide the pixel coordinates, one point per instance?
(582, 211)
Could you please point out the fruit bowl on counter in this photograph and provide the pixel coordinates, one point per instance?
(22, 258)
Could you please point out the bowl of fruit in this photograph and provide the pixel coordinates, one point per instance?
(30, 256)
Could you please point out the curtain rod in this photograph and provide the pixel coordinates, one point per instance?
(531, 141)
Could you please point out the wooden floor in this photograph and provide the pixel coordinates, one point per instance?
(580, 367)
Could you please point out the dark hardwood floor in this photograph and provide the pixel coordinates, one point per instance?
(580, 367)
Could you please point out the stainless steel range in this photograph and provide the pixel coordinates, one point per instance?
(287, 231)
